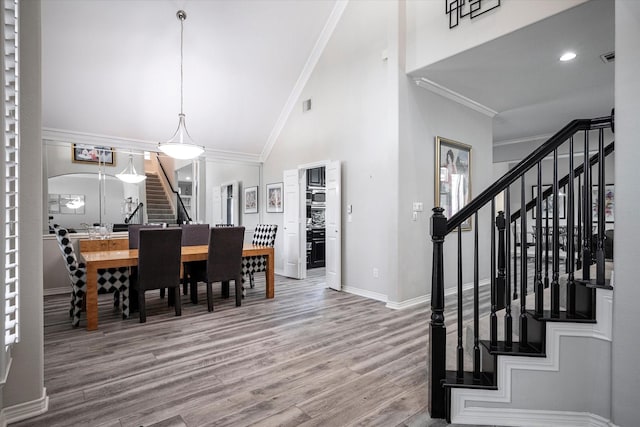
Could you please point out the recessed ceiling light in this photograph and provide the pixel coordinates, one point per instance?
(567, 56)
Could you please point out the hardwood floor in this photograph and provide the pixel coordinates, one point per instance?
(310, 357)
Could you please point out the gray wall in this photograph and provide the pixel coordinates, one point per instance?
(26, 377)
(626, 370)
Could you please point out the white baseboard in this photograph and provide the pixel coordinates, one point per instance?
(462, 411)
(365, 293)
(408, 303)
(22, 411)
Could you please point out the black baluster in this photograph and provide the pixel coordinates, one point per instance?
(601, 211)
(579, 225)
(539, 284)
(571, 286)
(508, 327)
(523, 263)
(515, 261)
(437, 330)
(476, 305)
(493, 319)
(587, 212)
(460, 348)
(546, 242)
(555, 286)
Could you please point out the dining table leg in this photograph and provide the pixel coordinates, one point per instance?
(92, 298)
(270, 276)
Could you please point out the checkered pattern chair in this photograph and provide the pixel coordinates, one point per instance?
(109, 280)
(264, 235)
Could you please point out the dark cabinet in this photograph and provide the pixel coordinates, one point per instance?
(316, 253)
(315, 177)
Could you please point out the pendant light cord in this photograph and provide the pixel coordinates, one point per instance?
(181, 59)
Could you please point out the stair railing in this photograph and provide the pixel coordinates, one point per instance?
(530, 339)
(135, 211)
(183, 214)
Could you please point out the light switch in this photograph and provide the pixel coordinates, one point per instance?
(349, 209)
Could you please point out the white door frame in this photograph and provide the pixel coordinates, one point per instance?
(303, 185)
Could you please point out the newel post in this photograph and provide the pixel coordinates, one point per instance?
(437, 330)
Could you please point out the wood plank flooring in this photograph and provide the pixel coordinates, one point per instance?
(310, 357)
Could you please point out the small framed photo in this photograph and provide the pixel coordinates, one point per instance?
(547, 204)
(274, 197)
(93, 154)
(453, 177)
(609, 202)
(251, 200)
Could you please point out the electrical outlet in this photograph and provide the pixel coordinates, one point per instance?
(376, 273)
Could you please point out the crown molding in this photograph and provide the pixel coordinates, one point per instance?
(523, 140)
(69, 136)
(308, 68)
(454, 96)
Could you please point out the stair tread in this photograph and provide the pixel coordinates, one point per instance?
(468, 381)
(515, 350)
(564, 317)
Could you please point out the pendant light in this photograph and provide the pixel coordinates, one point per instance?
(181, 146)
(129, 174)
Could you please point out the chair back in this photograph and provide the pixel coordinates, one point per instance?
(66, 247)
(159, 258)
(224, 261)
(195, 234)
(265, 235)
(134, 233)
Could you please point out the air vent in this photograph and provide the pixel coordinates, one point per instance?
(608, 57)
(306, 105)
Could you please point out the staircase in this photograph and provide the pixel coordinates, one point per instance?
(510, 371)
(159, 209)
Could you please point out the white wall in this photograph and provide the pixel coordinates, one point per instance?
(626, 370)
(25, 384)
(432, 115)
(349, 121)
(429, 38)
(247, 175)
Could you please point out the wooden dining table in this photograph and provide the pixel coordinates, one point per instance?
(114, 253)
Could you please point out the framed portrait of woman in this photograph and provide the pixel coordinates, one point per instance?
(453, 177)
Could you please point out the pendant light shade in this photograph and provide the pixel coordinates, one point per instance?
(181, 146)
(129, 174)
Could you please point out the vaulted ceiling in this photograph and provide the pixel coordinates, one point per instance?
(112, 67)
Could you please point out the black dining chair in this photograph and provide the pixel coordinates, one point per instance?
(224, 262)
(159, 252)
(193, 235)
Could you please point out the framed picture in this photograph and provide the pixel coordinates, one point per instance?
(453, 177)
(547, 208)
(93, 154)
(274, 197)
(251, 200)
(609, 202)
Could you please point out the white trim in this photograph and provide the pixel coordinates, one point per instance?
(536, 418)
(463, 414)
(521, 140)
(408, 303)
(3, 380)
(22, 411)
(308, 68)
(454, 96)
(364, 293)
(69, 136)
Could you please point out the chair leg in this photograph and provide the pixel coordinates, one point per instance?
(225, 289)
(251, 282)
(141, 306)
(73, 304)
(161, 292)
(171, 300)
(185, 286)
(124, 290)
(194, 291)
(177, 302)
(116, 298)
(209, 296)
(239, 288)
(77, 309)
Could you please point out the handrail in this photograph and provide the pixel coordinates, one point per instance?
(127, 219)
(184, 209)
(564, 181)
(527, 163)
